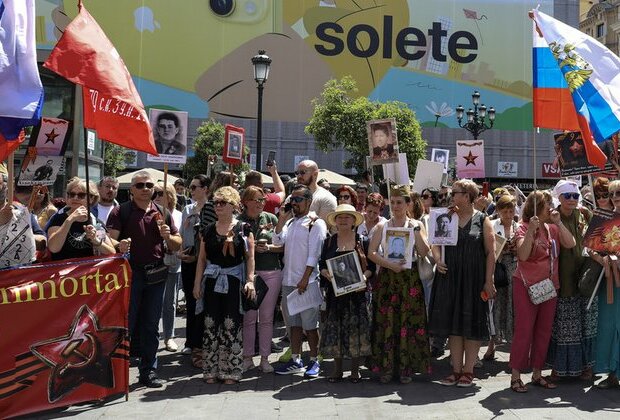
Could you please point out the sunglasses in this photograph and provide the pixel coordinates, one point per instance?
(78, 195)
(220, 203)
(426, 196)
(297, 199)
(159, 193)
(602, 195)
(302, 172)
(344, 197)
(143, 185)
(568, 196)
(193, 187)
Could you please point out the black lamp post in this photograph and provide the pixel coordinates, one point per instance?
(261, 63)
(476, 118)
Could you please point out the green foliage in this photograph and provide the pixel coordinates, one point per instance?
(339, 120)
(114, 159)
(210, 142)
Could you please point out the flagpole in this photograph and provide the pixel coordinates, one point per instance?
(86, 170)
(11, 176)
(165, 196)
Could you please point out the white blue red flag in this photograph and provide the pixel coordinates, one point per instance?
(592, 75)
(21, 91)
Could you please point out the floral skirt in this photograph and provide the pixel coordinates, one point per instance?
(400, 338)
(346, 331)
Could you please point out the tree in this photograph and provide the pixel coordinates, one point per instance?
(339, 120)
(113, 159)
(210, 142)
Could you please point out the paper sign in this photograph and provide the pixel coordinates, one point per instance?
(90, 140)
(470, 159)
(398, 172)
(170, 133)
(507, 169)
(299, 302)
(441, 156)
(427, 175)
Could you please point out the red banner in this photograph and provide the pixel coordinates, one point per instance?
(63, 334)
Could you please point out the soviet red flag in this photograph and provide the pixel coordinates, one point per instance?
(84, 55)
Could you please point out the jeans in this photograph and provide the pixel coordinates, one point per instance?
(145, 304)
(169, 305)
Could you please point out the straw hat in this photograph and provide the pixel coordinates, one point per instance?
(345, 209)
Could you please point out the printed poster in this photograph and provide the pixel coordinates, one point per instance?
(470, 159)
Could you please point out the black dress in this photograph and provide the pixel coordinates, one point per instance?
(346, 331)
(222, 342)
(456, 307)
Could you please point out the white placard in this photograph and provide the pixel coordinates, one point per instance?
(508, 169)
(443, 227)
(427, 175)
(299, 302)
(91, 140)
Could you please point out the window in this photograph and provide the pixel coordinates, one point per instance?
(600, 30)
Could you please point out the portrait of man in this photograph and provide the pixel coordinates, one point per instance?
(234, 145)
(442, 228)
(44, 172)
(382, 141)
(345, 272)
(397, 248)
(168, 132)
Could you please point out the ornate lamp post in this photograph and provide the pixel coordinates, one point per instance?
(476, 118)
(261, 63)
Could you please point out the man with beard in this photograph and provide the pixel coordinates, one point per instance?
(323, 202)
(108, 190)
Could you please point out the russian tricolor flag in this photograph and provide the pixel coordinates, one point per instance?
(595, 95)
(21, 91)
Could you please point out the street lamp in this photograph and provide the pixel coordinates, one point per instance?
(261, 63)
(476, 118)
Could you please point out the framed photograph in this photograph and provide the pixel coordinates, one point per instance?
(170, 133)
(234, 141)
(441, 156)
(382, 141)
(398, 245)
(500, 243)
(443, 227)
(347, 274)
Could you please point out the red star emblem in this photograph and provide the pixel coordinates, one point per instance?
(51, 136)
(82, 356)
(470, 158)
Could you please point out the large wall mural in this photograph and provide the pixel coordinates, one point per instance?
(194, 55)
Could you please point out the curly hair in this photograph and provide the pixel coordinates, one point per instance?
(375, 199)
(351, 191)
(228, 194)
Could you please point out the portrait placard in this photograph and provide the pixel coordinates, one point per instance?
(603, 234)
(39, 170)
(170, 133)
(234, 142)
(398, 245)
(382, 141)
(443, 227)
(571, 154)
(441, 156)
(347, 274)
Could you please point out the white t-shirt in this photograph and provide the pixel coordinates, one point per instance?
(103, 212)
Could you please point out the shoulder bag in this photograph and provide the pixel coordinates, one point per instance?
(543, 290)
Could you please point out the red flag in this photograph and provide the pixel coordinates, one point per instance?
(85, 56)
(7, 147)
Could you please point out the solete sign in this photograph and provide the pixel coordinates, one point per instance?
(461, 44)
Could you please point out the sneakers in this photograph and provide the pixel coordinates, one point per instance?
(248, 364)
(293, 366)
(265, 367)
(313, 369)
(171, 346)
(186, 351)
(151, 380)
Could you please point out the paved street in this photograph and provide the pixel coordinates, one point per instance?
(269, 396)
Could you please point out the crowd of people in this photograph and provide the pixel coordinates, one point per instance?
(243, 252)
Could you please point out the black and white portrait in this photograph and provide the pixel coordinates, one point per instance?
(441, 156)
(346, 272)
(170, 134)
(41, 170)
(443, 227)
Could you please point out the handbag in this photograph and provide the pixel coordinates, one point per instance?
(501, 275)
(426, 269)
(155, 273)
(542, 291)
(588, 277)
(261, 289)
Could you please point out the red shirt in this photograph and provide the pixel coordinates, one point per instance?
(545, 250)
(272, 203)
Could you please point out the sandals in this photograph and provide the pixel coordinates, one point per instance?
(197, 358)
(450, 380)
(518, 386)
(543, 382)
(466, 380)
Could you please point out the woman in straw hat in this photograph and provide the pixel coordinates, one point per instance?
(400, 343)
(346, 332)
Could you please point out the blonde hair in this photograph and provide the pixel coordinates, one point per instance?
(469, 186)
(81, 183)
(229, 194)
(171, 195)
